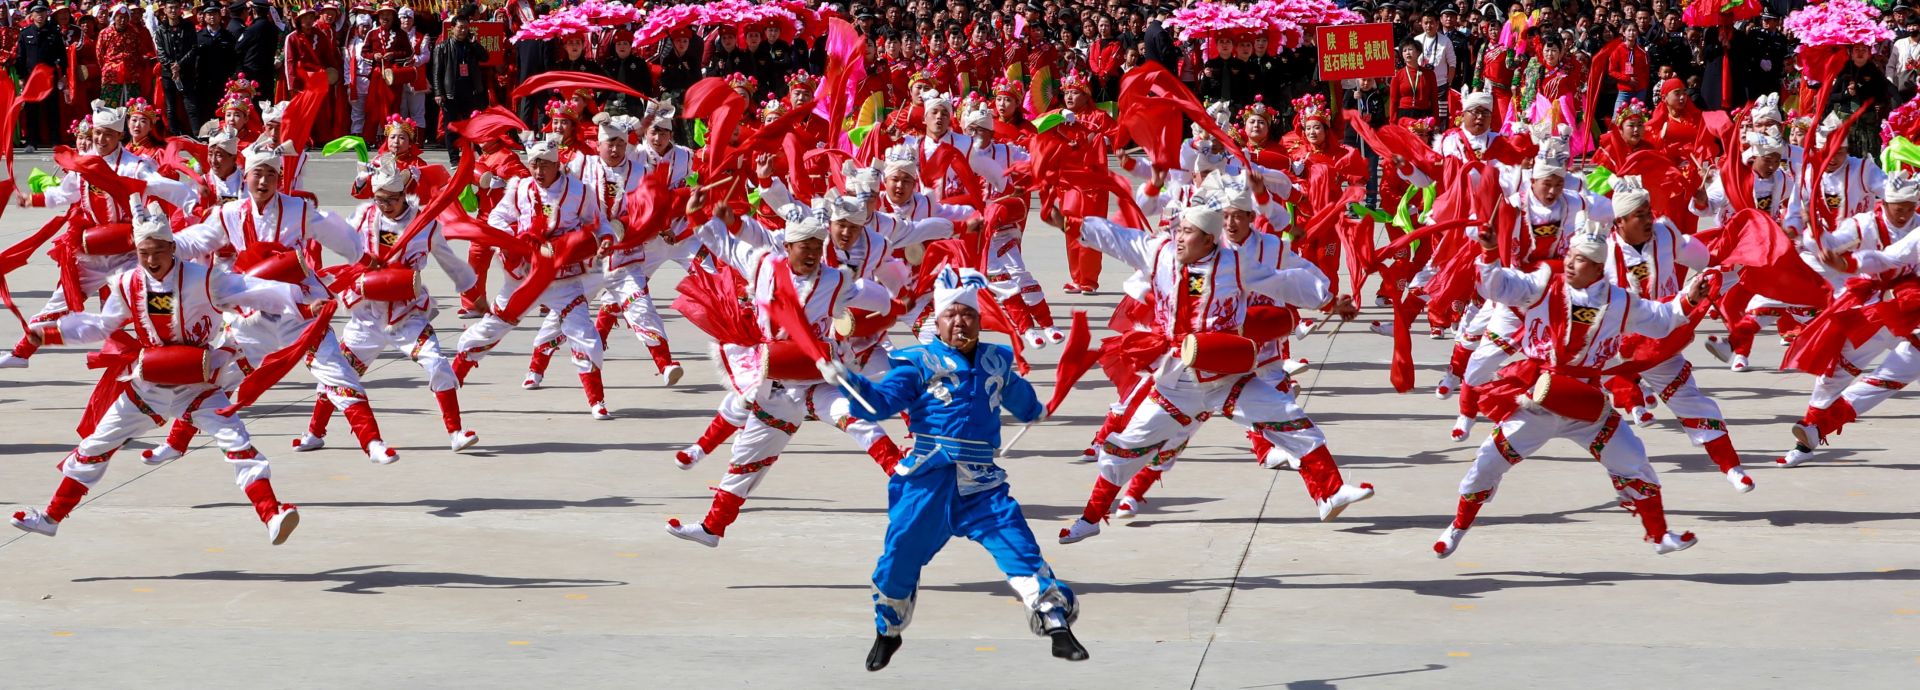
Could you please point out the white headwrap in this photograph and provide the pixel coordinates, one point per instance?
(953, 287)
(811, 224)
(260, 156)
(1230, 190)
(934, 99)
(271, 112)
(662, 113)
(150, 222)
(389, 176)
(1477, 99)
(902, 157)
(1766, 109)
(1827, 126)
(978, 116)
(539, 148)
(225, 141)
(1555, 150)
(1901, 187)
(1759, 145)
(109, 118)
(851, 209)
(1629, 196)
(1203, 212)
(1590, 246)
(615, 127)
(862, 183)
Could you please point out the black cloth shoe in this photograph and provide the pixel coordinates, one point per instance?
(884, 646)
(1064, 647)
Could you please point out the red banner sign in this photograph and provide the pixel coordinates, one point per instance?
(492, 36)
(1355, 51)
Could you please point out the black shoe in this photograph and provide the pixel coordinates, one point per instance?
(884, 647)
(1064, 647)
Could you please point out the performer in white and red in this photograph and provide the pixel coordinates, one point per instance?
(780, 388)
(1575, 322)
(1201, 366)
(1879, 244)
(268, 235)
(1012, 283)
(1773, 187)
(1646, 256)
(612, 173)
(98, 242)
(158, 321)
(545, 207)
(389, 310)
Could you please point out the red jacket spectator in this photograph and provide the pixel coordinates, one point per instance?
(1411, 92)
(1628, 67)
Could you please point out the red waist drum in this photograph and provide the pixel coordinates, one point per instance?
(786, 361)
(1219, 353)
(395, 284)
(282, 266)
(176, 365)
(1269, 322)
(107, 239)
(1570, 397)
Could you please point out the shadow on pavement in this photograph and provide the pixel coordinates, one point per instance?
(457, 507)
(369, 579)
(1329, 683)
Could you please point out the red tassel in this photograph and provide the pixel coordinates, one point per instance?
(726, 509)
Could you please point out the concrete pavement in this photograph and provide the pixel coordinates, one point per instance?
(540, 558)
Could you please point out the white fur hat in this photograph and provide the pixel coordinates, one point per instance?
(150, 222)
(389, 176)
(109, 118)
(902, 157)
(1629, 195)
(1901, 187)
(260, 156)
(953, 287)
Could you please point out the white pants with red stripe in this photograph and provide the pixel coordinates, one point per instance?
(365, 338)
(1853, 362)
(1901, 367)
(773, 418)
(566, 303)
(262, 334)
(1610, 441)
(143, 408)
(1674, 382)
(1160, 426)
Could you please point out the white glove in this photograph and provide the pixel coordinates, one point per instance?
(833, 370)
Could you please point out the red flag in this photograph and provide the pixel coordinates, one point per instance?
(489, 123)
(1770, 260)
(276, 365)
(1156, 124)
(1075, 360)
(788, 313)
(571, 80)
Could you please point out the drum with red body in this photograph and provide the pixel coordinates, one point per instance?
(1219, 353)
(1569, 396)
(860, 323)
(392, 284)
(176, 365)
(282, 265)
(573, 247)
(107, 239)
(786, 361)
(1269, 322)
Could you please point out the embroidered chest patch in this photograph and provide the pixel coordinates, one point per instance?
(1546, 229)
(160, 304)
(1196, 286)
(1639, 272)
(1764, 203)
(388, 238)
(1586, 315)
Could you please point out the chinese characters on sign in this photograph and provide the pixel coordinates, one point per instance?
(492, 37)
(1355, 51)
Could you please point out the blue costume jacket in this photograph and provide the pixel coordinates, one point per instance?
(954, 402)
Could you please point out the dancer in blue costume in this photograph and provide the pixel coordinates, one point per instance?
(948, 486)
